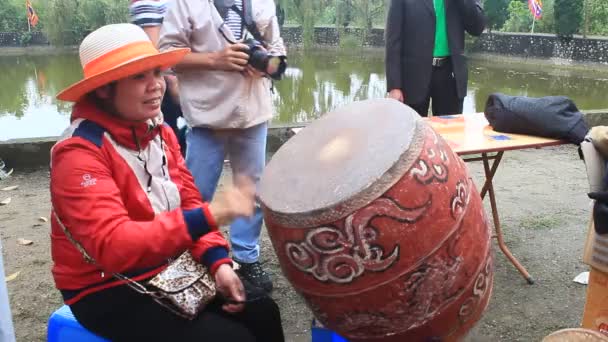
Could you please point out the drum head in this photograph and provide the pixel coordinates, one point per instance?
(576, 335)
(338, 156)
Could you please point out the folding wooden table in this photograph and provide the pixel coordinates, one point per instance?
(473, 139)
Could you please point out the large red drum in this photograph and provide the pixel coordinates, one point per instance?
(377, 224)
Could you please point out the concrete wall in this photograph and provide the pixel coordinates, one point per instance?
(547, 46)
(35, 153)
(329, 36)
(543, 46)
(16, 39)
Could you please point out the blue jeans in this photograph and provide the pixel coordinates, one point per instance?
(246, 150)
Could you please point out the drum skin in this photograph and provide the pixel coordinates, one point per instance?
(413, 263)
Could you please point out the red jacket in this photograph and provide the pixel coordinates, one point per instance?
(123, 192)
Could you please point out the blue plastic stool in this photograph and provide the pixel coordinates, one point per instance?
(322, 334)
(63, 327)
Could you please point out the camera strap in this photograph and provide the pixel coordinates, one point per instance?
(223, 6)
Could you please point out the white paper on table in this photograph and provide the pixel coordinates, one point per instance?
(582, 278)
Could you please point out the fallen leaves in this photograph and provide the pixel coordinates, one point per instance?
(10, 188)
(5, 201)
(24, 242)
(40, 219)
(12, 276)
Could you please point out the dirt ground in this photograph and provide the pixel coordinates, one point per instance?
(544, 211)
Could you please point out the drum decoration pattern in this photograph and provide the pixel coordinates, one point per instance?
(405, 256)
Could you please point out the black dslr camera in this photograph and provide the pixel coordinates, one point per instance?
(273, 66)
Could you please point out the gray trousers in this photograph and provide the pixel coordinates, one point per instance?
(7, 334)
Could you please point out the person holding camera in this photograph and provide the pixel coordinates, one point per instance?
(425, 52)
(225, 95)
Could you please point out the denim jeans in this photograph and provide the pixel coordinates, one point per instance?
(246, 150)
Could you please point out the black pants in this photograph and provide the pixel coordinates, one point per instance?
(171, 111)
(121, 314)
(443, 92)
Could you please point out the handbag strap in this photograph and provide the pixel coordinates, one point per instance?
(89, 259)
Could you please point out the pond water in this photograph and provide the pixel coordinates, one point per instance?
(315, 82)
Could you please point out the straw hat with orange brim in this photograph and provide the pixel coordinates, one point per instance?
(116, 51)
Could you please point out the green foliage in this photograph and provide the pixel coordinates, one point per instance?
(79, 17)
(496, 12)
(13, 16)
(520, 19)
(597, 10)
(66, 22)
(340, 13)
(568, 16)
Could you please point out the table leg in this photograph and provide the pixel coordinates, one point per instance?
(497, 158)
(488, 186)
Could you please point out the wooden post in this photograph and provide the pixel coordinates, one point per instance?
(27, 16)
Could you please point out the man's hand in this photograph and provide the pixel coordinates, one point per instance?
(252, 72)
(235, 201)
(232, 58)
(231, 288)
(396, 94)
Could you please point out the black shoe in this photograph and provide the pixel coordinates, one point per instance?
(255, 274)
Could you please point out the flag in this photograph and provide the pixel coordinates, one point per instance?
(31, 14)
(536, 8)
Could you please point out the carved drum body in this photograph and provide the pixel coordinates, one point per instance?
(377, 224)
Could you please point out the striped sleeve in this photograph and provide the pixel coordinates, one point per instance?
(146, 13)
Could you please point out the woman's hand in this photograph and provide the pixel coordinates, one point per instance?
(235, 201)
(231, 288)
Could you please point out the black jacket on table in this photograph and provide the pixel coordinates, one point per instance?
(410, 40)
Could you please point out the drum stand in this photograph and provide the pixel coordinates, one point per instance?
(488, 188)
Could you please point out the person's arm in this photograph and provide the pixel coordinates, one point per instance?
(231, 58)
(149, 16)
(473, 17)
(177, 32)
(153, 32)
(394, 46)
(211, 249)
(269, 27)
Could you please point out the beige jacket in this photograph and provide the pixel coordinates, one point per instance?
(212, 98)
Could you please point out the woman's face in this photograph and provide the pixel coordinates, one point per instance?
(137, 97)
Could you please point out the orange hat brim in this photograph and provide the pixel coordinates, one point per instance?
(161, 60)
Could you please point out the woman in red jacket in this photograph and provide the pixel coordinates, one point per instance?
(120, 188)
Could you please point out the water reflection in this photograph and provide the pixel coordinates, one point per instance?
(28, 107)
(314, 84)
(321, 82)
